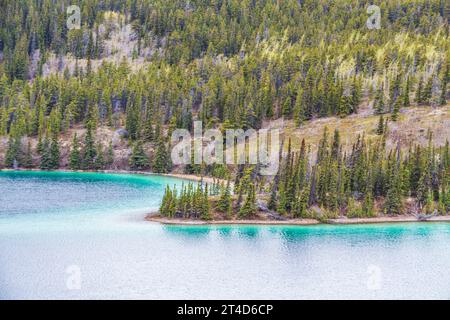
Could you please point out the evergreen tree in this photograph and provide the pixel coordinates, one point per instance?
(27, 160)
(138, 159)
(427, 91)
(249, 207)
(405, 97)
(419, 92)
(379, 102)
(205, 207)
(380, 126)
(89, 152)
(225, 203)
(396, 110)
(46, 155)
(100, 159)
(75, 156)
(54, 153)
(161, 161)
(393, 202)
(12, 155)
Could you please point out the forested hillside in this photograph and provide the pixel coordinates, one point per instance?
(108, 95)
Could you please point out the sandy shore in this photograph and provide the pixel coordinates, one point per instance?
(300, 222)
(295, 222)
(191, 177)
(154, 217)
(405, 218)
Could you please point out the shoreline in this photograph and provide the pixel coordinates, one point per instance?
(154, 217)
(293, 222)
(183, 176)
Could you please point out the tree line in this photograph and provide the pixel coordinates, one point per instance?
(364, 181)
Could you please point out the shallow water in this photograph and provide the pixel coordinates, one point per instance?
(82, 235)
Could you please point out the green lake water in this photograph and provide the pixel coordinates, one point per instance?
(82, 235)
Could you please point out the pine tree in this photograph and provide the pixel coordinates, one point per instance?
(443, 95)
(249, 207)
(40, 145)
(396, 110)
(89, 151)
(405, 98)
(148, 131)
(75, 157)
(273, 203)
(138, 159)
(419, 92)
(205, 213)
(225, 203)
(298, 108)
(427, 91)
(45, 155)
(27, 160)
(393, 203)
(12, 155)
(161, 161)
(380, 127)
(168, 204)
(54, 153)
(100, 159)
(379, 102)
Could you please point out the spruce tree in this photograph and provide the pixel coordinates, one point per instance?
(75, 156)
(27, 160)
(393, 202)
(427, 91)
(419, 92)
(443, 95)
(45, 155)
(205, 213)
(100, 159)
(396, 110)
(379, 102)
(225, 203)
(12, 155)
(380, 126)
(405, 97)
(89, 151)
(54, 153)
(138, 159)
(249, 207)
(161, 162)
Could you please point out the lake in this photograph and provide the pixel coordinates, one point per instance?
(82, 235)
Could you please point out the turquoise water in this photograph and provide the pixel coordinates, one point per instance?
(82, 235)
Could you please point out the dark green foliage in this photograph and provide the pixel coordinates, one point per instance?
(380, 126)
(249, 207)
(138, 159)
(225, 203)
(161, 161)
(266, 72)
(231, 64)
(27, 159)
(396, 110)
(100, 159)
(12, 156)
(89, 151)
(54, 153)
(353, 183)
(405, 96)
(45, 155)
(192, 202)
(75, 155)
